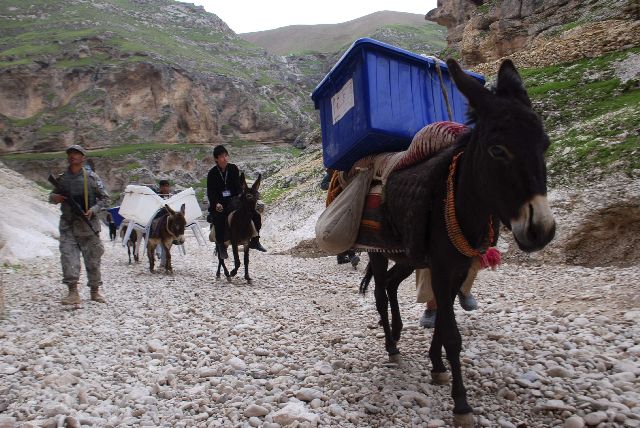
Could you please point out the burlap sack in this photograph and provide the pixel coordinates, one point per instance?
(337, 227)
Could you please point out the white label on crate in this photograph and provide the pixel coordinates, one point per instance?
(342, 102)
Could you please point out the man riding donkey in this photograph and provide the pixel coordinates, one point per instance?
(79, 226)
(223, 183)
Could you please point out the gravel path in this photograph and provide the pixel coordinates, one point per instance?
(550, 346)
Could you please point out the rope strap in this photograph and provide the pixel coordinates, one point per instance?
(444, 89)
(453, 228)
(86, 190)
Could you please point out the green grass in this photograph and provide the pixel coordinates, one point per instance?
(112, 152)
(287, 150)
(271, 194)
(51, 129)
(131, 166)
(92, 60)
(28, 121)
(240, 143)
(22, 61)
(30, 50)
(591, 117)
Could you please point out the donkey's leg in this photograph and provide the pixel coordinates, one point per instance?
(227, 274)
(166, 248)
(236, 259)
(446, 285)
(246, 263)
(395, 276)
(379, 265)
(129, 252)
(216, 253)
(151, 249)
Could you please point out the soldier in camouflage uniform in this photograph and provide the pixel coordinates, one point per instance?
(75, 235)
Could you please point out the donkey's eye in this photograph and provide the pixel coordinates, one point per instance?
(500, 153)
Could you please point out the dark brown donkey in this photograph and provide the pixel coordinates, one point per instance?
(164, 231)
(446, 209)
(240, 227)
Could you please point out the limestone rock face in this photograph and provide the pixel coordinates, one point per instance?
(138, 102)
(490, 31)
(113, 73)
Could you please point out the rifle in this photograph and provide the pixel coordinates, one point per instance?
(75, 208)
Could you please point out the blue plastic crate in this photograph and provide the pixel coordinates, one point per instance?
(377, 97)
(115, 215)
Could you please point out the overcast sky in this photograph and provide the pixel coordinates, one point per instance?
(244, 16)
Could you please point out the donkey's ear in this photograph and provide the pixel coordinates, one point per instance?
(243, 181)
(169, 210)
(510, 83)
(477, 95)
(256, 185)
(183, 209)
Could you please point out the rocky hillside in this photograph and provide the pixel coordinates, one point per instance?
(483, 31)
(581, 64)
(113, 73)
(407, 30)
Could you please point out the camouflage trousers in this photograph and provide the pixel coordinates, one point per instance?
(74, 242)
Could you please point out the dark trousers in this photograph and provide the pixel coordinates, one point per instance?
(112, 231)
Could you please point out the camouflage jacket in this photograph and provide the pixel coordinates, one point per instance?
(73, 185)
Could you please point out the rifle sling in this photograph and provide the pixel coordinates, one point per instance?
(86, 190)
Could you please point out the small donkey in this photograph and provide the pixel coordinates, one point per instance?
(131, 243)
(165, 230)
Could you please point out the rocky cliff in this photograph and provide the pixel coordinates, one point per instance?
(541, 32)
(112, 72)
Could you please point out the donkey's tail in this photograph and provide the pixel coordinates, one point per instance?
(368, 274)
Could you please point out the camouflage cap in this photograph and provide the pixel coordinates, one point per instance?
(77, 148)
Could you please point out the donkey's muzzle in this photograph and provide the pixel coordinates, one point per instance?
(534, 227)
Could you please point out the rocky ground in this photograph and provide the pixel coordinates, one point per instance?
(551, 345)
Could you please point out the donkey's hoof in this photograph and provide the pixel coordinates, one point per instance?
(249, 280)
(229, 278)
(395, 359)
(440, 378)
(464, 420)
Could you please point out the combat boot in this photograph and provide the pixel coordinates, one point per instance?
(73, 298)
(96, 296)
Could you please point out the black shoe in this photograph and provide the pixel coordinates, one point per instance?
(355, 260)
(255, 244)
(222, 251)
(428, 318)
(468, 302)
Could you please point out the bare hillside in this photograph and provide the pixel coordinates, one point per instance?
(329, 38)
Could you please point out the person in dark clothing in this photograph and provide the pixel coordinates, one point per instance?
(112, 226)
(164, 190)
(223, 183)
